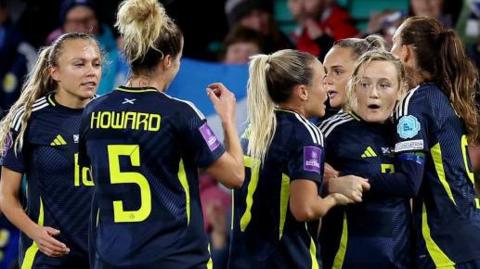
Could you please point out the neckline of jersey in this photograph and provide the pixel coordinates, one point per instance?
(137, 89)
(51, 99)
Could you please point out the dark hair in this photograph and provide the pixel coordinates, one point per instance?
(149, 33)
(238, 9)
(70, 4)
(361, 45)
(243, 34)
(441, 58)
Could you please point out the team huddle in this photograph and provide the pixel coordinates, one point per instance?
(112, 181)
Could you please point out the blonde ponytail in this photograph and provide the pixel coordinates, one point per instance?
(38, 83)
(260, 108)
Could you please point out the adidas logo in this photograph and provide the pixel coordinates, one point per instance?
(58, 141)
(368, 153)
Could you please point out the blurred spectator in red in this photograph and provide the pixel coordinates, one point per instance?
(321, 22)
(241, 43)
(257, 15)
(81, 16)
(16, 57)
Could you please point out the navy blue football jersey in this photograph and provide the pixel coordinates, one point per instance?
(377, 232)
(58, 189)
(145, 148)
(264, 232)
(446, 213)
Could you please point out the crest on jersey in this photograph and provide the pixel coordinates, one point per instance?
(312, 159)
(408, 127)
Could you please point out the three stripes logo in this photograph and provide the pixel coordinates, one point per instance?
(58, 141)
(369, 153)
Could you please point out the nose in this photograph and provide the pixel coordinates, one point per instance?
(373, 92)
(327, 80)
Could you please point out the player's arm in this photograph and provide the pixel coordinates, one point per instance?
(306, 204)
(228, 169)
(411, 144)
(10, 187)
(405, 182)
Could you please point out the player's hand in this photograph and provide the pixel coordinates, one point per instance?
(47, 244)
(350, 186)
(341, 199)
(329, 172)
(224, 102)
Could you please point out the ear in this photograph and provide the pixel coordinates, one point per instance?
(301, 91)
(407, 54)
(167, 62)
(53, 71)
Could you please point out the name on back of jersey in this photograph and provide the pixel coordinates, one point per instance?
(125, 120)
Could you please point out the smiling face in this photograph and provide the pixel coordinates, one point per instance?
(339, 65)
(78, 69)
(376, 91)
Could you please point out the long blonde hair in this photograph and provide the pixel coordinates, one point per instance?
(366, 58)
(148, 32)
(272, 80)
(38, 83)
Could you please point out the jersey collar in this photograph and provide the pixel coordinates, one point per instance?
(136, 89)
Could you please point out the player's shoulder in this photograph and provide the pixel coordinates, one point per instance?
(335, 123)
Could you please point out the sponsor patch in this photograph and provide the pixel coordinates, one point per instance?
(312, 159)
(209, 136)
(409, 145)
(408, 127)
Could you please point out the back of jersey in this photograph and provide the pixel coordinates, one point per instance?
(144, 148)
(446, 211)
(264, 232)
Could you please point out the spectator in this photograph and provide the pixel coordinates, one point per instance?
(81, 16)
(257, 15)
(321, 23)
(240, 44)
(386, 22)
(16, 57)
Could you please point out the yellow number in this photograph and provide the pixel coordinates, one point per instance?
(466, 160)
(467, 167)
(84, 176)
(254, 166)
(119, 177)
(387, 168)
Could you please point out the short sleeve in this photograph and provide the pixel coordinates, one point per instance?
(205, 145)
(412, 123)
(14, 159)
(306, 160)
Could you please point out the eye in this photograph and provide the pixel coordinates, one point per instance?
(78, 64)
(385, 85)
(338, 72)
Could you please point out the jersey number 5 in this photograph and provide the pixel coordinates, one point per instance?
(119, 177)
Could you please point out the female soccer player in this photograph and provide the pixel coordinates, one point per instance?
(284, 162)
(339, 63)
(434, 124)
(39, 139)
(144, 148)
(360, 143)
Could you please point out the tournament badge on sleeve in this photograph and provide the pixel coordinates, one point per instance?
(408, 127)
(209, 137)
(311, 158)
